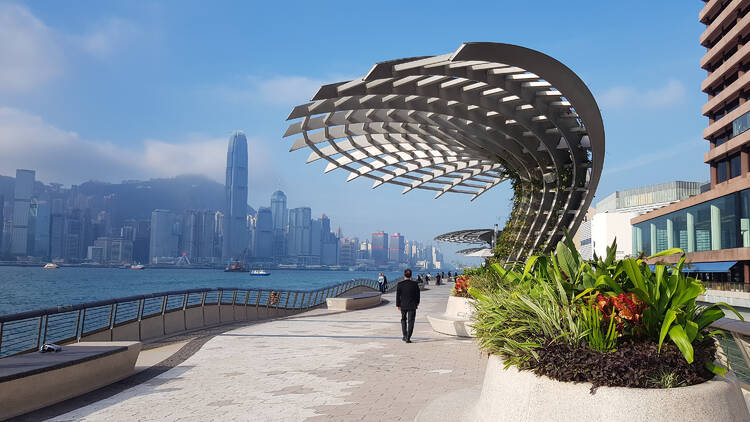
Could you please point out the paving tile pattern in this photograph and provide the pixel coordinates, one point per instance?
(317, 366)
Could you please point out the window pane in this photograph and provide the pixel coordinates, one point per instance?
(741, 124)
(702, 214)
(735, 165)
(722, 171)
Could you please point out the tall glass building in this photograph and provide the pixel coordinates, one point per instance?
(714, 226)
(235, 211)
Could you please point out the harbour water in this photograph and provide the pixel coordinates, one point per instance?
(29, 288)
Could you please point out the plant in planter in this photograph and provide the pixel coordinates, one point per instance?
(567, 337)
(461, 287)
(608, 322)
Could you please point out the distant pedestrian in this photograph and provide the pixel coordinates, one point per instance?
(419, 279)
(381, 282)
(428, 277)
(437, 279)
(407, 301)
(385, 283)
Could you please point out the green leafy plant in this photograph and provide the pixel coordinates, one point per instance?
(595, 338)
(671, 299)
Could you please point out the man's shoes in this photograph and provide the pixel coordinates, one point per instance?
(408, 340)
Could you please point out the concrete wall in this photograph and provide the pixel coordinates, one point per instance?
(607, 226)
(33, 392)
(198, 317)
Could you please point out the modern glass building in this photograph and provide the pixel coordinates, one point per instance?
(235, 212)
(713, 226)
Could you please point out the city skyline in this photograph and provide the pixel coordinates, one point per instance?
(145, 47)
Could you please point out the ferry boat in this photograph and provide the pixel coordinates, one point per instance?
(137, 267)
(259, 272)
(50, 266)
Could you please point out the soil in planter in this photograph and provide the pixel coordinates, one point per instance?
(638, 365)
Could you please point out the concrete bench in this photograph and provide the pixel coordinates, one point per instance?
(456, 321)
(351, 302)
(35, 380)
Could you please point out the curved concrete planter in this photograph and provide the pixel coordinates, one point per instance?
(456, 319)
(513, 395)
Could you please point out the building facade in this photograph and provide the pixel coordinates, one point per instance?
(165, 236)
(235, 211)
(380, 248)
(714, 227)
(22, 237)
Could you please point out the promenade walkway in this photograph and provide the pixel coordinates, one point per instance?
(317, 366)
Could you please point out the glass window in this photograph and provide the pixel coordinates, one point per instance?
(702, 219)
(735, 166)
(720, 140)
(727, 209)
(745, 218)
(722, 171)
(741, 124)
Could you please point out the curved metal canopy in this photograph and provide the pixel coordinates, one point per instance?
(463, 122)
(478, 236)
(470, 250)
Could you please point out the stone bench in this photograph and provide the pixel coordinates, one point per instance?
(456, 321)
(32, 381)
(351, 302)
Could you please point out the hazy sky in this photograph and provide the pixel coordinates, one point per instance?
(132, 90)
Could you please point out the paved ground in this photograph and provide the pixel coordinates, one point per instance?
(317, 366)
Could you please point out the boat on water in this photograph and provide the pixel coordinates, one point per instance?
(50, 266)
(236, 267)
(259, 272)
(137, 267)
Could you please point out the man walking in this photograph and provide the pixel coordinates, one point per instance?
(407, 301)
(381, 281)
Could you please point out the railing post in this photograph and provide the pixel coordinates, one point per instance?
(286, 302)
(113, 322)
(247, 297)
(218, 303)
(39, 333)
(234, 299)
(83, 324)
(184, 310)
(294, 303)
(139, 315)
(78, 324)
(46, 324)
(1, 337)
(203, 307)
(257, 305)
(163, 315)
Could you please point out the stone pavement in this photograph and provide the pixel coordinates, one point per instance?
(317, 366)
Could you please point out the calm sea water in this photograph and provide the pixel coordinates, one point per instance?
(29, 288)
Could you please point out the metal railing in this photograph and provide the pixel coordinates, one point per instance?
(27, 331)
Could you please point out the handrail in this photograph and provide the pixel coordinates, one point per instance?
(25, 331)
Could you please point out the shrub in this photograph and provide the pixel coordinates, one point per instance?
(561, 302)
(461, 287)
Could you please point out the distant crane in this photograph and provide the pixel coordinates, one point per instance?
(238, 266)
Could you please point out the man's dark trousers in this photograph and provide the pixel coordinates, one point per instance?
(408, 316)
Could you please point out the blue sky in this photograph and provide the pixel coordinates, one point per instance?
(132, 90)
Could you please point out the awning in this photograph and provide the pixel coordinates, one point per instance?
(708, 267)
(705, 267)
(484, 253)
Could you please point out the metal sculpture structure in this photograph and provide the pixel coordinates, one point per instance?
(464, 122)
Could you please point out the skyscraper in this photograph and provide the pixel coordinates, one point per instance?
(235, 211)
(165, 235)
(396, 249)
(380, 248)
(300, 232)
(263, 233)
(24, 190)
(280, 218)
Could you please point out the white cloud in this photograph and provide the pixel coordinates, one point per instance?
(280, 90)
(108, 36)
(623, 96)
(654, 157)
(29, 53)
(27, 141)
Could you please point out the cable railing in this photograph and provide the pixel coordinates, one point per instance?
(158, 314)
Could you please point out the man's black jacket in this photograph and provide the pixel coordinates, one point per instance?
(407, 295)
